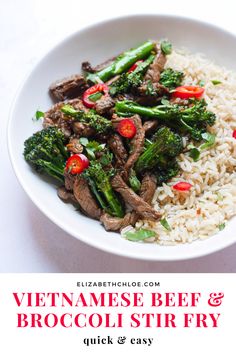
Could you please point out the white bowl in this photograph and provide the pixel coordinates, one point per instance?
(97, 43)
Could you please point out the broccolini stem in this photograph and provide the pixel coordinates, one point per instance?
(115, 205)
(100, 200)
(123, 62)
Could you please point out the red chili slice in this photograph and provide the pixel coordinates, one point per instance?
(234, 134)
(182, 186)
(186, 92)
(92, 90)
(77, 163)
(134, 66)
(126, 128)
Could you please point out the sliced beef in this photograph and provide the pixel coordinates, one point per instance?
(69, 181)
(85, 198)
(69, 87)
(150, 99)
(65, 195)
(74, 146)
(81, 129)
(132, 199)
(55, 117)
(150, 126)
(104, 104)
(116, 145)
(137, 143)
(87, 67)
(112, 223)
(154, 71)
(148, 188)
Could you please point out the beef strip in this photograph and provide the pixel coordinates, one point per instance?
(104, 104)
(74, 146)
(69, 87)
(137, 143)
(65, 195)
(116, 145)
(112, 223)
(55, 117)
(131, 198)
(150, 126)
(85, 198)
(86, 65)
(69, 181)
(81, 129)
(148, 187)
(154, 71)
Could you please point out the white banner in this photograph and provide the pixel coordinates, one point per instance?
(100, 313)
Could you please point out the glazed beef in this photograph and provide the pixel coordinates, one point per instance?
(65, 195)
(69, 181)
(148, 187)
(81, 129)
(69, 87)
(104, 104)
(116, 145)
(55, 117)
(74, 146)
(154, 71)
(150, 126)
(85, 198)
(133, 200)
(137, 143)
(112, 223)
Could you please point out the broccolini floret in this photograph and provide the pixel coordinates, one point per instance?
(130, 80)
(94, 120)
(99, 180)
(46, 152)
(165, 146)
(171, 78)
(192, 119)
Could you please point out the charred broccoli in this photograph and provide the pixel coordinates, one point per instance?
(46, 152)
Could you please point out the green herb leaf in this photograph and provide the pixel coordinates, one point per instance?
(165, 102)
(201, 83)
(195, 154)
(219, 196)
(216, 82)
(83, 141)
(221, 226)
(165, 224)
(39, 115)
(139, 235)
(166, 47)
(210, 141)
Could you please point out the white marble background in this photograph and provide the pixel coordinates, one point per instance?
(29, 242)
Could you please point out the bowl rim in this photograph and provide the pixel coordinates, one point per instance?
(82, 236)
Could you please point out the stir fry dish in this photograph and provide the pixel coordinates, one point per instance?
(115, 134)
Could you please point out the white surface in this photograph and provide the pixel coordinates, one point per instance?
(29, 241)
(99, 42)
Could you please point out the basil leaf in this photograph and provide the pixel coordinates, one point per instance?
(216, 82)
(38, 115)
(90, 153)
(83, 141)
(210, 140)
(195, 154)
(139, 235)
(165, 224)
(221, 226)
(166, 47)
(165, 102)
